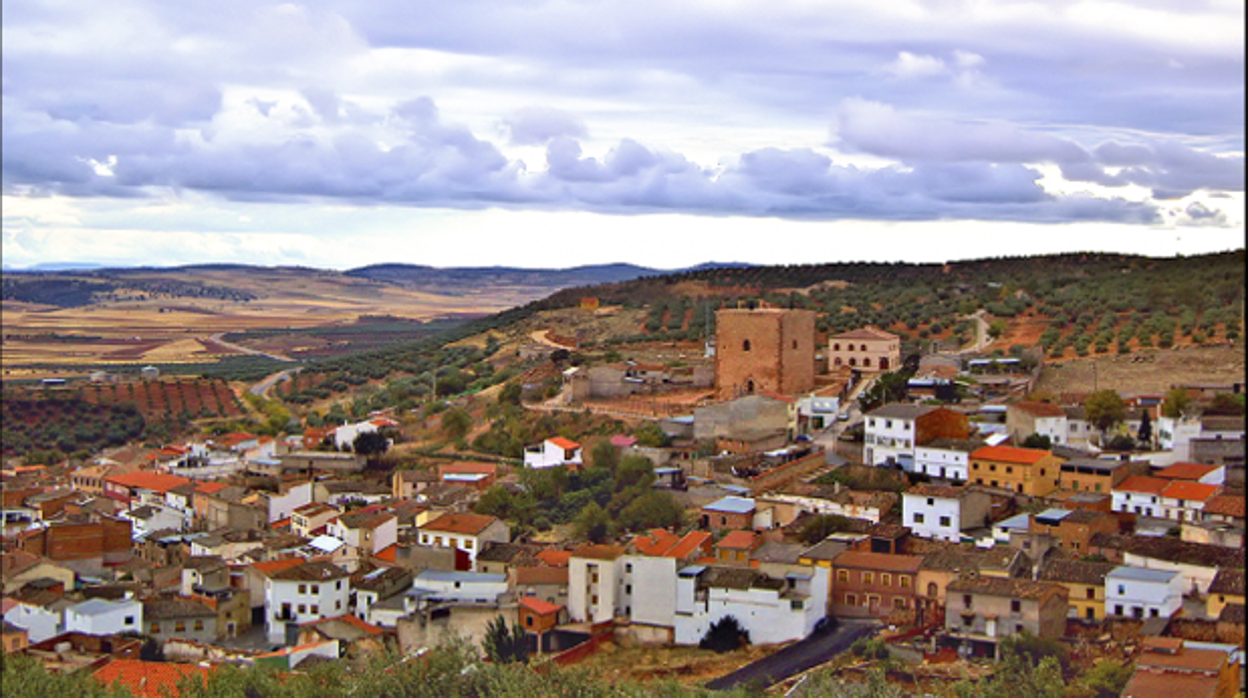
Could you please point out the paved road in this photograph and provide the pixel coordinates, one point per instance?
(796, 658)
(263, 386)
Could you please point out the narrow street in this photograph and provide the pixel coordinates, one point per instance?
(796, 658)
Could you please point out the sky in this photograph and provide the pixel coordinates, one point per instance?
(539, 133)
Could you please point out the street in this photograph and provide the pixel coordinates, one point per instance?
(796, 658)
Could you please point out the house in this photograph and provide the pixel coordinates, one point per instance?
(12, 638)
(553, 452)
(148, 518)
(729, 513)
(407, 484)
(1084, 582)
(466, 532)
(432, 587)
(1028, 471)
(595, 583)
(345, 435)
(478, 476)
(1198, 563)
(1024, 419)
(1224, 508)
(144, 679)
(308, 519)
(747, 424)
(40, 623)
(538, 616)
(736, 548)
(1073, 529)
(1135, 592)
(19, 567)
(288, 658)
(1078, 429)
(894, 431)
(138, 488)
(940, 568)
(376, 586)
(1182, 500)
(981, 611)
(942, 512)
(300, 593)
(866, 584)
(868, 349)
(945, 459)
(1140, 495)
(180, 617)
(772, 610)
(1167, 668)
(364, 532)
(1194, 472)
(1226, 589)
(104, 617)
(547, 583)
(502, 558)
(1093, 474)
(357, 637)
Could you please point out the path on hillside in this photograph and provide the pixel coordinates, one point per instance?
(798, 657)
(254, 352)
(981, 333)
(262, 388)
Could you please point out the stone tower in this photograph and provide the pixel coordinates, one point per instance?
(766, 349)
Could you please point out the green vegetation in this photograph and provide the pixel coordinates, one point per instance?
(503, 645)
(64, 424)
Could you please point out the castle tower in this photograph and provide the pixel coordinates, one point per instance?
(766, 349)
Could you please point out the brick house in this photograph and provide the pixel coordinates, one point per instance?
(1028, 471)
(866, 584)
(1023, 419)
(764, 349)
(736, 548)
(1094, 474)
(1073, 529)
(729, 513)
(1084, 582)
(981, 611)
(467, 532)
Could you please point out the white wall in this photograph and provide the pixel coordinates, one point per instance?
(1195, 579)
(281, 505)
(331, 599)
(930, 461)
(108, 623)
(885, 437)
(582, 589)
(1164, 598)
(39, 623)
(1137, 503)
(767, 617)
(931, 510)
(650, 589)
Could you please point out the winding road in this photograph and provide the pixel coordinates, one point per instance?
(798, 657)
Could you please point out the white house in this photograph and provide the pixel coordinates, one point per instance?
(345, 435)
(649, 593)
(595, 583)
(1142, 593)
(1140, 495)
(818, 409)
(1026, 418)
(891, 432)
(1185, 501)
(946, 459)
(771, 610)
(39, 623)
(104, 617)
(366, 532)
(552, 452)
(942, 512)
(464, 588)
(294, 595)
(147, 518)
(1019, 523)
(467, 532)
(290, 497)
(1176, 434)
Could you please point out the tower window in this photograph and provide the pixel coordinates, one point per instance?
(745, 346)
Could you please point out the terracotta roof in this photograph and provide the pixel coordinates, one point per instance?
(469, 524)
(1228, 582)
(509, 553)
(693, 541)
(1143, 484)
(468, 468)
(1039, 409)
(1186, 471)
(362, 519)
(169, 607)
(538, 606)
(1151, 684)
(598, 552)
(1225, 505)
(1232, 613)
(541, 575)
(272, 567)
(877, 561)
(1189, 491)
(968, 557)
(1075, 571)
(310, 572)
(565, 444)
(387, 554)
(739, 540)
(211, 487)
(1172, 549)
(1185, 659)
(655, 542)
(867, 332)
(148, 679)
(157, 482)
(1010, 454)
(291, 650)
(1010, 588)
(555, 558)
(349, 619)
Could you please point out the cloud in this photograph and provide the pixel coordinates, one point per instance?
(540, 125)
(909, 65)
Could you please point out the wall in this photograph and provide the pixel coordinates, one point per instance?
(781, 355)
(787, 473)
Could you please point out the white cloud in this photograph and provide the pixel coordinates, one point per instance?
(909, 65)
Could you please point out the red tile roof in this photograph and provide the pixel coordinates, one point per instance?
(147, 679)
(654, 542)
(1040, 409)
(739, 540)
(386, 554)
(599, 552)
(1186, 471)
(565, 444)
(865, 333)
(349, 620)
(877, 561)
(211, 487)
(536, 605)
(1142, 483)
(1189, 491)
(555, 558)
(694, 540)
(145, 480)
(274, 566)
(1225, 505)
(469, 524)
(1010, 454)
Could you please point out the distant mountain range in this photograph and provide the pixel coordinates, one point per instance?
(422, 276)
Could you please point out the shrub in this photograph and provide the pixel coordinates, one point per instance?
(725, 635)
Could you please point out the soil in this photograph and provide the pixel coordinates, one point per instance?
(686, 665)
(1151, 371)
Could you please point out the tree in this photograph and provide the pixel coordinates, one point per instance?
(997, 328)
(504, 646)
(592, 523)
(650, 434)
(725, 635)
(1145, 433)
(456, 422)
(1039, 441)
(370, 444)
(1105, 409)
(511, 393)
(1176, 404)
(652, 510)
(604, 455)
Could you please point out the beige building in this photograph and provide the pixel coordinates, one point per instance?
(981, 611)
(868, 349)
(1084, 582)
(767, 349)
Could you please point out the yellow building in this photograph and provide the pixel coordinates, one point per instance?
(1226, 588)
(1028, 471)
(1084, 580)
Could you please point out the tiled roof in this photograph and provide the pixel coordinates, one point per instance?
(1039, 409)
(1010, 454)
(565, 444)
(655, 542)
(1143, 484)
(555, 558)
(968, 557)
(509, 553)
(1186, 659)
(1009, 588)
(739, 540)
(897, 410)
(1172, 549)
(169, 607)
(469, 524)
(538, 606)
(310, 572)
(1150, 684)
(148, 679)
(1186, 471)
(356, 624)
(1225, 505)
(877, 561)
(1232, 613)
(274, 566)
(157, 482)
(598, 552)
(1075, 571)
(693, 541)
(867, 332)
(1228, 582)
(1189, 491)
(927, 489)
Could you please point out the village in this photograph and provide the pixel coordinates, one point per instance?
(829, 491)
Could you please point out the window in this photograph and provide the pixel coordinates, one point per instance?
(315, 610)
(528, 620)
(199, 624)
(1122, 589)
(1091, 593)
(886, 579)
(1118, 609)
(468, 544)
(303, 608)
(797, 604)
(628, 568)
(1009, 469)
(155, 628)
(339, 585)
(993, 468)
(918, 518)
(903, 581)
(129, 620)
(851, 599)
(1042, 472)
(1154, 612)
(967, 620)
(966, 600)
(1016, 606)
(944, 521)
(745, 346)
(899, 602)
(594, 599)
(842, 576)
(303, 588)
(974, 466)
(628, 588)
(795, 344)
(868, 577)
(930, 501)
(179, 627)
(338, 605)
(316, 588)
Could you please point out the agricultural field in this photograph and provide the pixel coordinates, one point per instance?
(197, 398)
